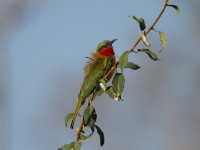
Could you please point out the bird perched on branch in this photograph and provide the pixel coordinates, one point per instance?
(98, 67)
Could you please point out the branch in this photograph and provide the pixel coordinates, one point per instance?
(140, 38)
(80, 129)
(151, 27)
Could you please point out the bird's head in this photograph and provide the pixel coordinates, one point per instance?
(105, 48)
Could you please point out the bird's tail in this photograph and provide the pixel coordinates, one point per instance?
(78, 106)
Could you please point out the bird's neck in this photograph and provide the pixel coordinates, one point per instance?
(104, 53)
(107, 51)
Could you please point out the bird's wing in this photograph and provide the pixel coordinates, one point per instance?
(93, 73)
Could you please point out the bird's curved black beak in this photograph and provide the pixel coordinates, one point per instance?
(111, 42)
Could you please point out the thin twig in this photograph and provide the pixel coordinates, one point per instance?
(140, 38)
(151, 27)
(79, 130)
(91, 98)
(111, 70)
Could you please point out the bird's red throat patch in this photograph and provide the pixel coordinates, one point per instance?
(107, 51)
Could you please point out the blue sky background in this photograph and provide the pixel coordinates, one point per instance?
(45, 45)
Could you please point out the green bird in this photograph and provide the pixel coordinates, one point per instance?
(99, 65)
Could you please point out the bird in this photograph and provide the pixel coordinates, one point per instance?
(98, 66)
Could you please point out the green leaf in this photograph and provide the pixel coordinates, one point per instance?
(132, 66)
(65, 147)
(71, 145)
(175, 7)
(101, 135)
(87, 113)
(84, 137)
(151, 55)
(123, 60)
(92, 120)
(98, 92)
(144, 40)
(69, 117)
(112, 95)
(110, 92)
(140, 21)
(118, 84)
(102, 84)
(77, 146)
(163, 39)
(74, 146)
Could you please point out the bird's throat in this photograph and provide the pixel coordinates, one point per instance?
(107, 51)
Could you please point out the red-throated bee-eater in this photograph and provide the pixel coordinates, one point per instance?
(99, 65)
